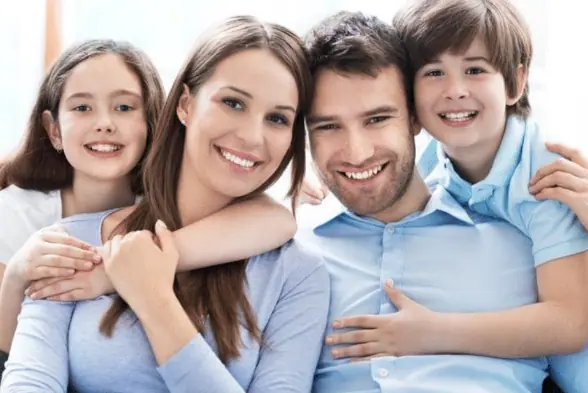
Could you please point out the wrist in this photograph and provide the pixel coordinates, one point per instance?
(13, 279)
(442, 333)
(154, 306)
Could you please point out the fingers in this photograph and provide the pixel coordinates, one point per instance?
(63, 250)
(356, 351)
(559, 179)
(354, 337)
(362, 321)
(38, 285)
(570, 153)
(64, 238)
(166, 239)
(398, 299)
(560, 165)
(56, 288)
(366, 358)
(39, 272)
(560, 194)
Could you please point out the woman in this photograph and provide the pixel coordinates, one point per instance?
(231, 124)
(88, 133)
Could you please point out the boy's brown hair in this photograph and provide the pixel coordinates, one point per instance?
(432, 27)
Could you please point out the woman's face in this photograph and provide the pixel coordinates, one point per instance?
(239, 124)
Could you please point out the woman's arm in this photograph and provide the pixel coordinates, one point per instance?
(237, 232)
(38, 361)
(143, 275)
(298, 321)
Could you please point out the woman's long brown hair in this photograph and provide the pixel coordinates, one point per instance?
(214, 294)
(36, 165)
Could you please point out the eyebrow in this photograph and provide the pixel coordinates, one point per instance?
(384, 109)
(248, 95)
(469, 58)
(116, 93)
(477, 58)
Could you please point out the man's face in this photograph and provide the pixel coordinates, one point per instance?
(362, 138)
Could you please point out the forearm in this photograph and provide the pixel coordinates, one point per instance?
(167, 326)
(11, 298)
(186, 362)
(237, 232)
(539, 329)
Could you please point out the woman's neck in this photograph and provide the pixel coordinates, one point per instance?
(88, 195)
(195, 200)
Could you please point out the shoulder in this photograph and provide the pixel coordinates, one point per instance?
(16, 198)
(294, 262)
(24, 212)
(534, 153)
(86, 227)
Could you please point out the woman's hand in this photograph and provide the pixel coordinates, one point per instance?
(141, 271)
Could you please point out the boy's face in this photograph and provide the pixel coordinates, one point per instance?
(461, 100)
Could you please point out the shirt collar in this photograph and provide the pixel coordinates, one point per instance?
(441, 201)
(503, 166)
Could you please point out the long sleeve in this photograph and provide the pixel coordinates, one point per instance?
(38, 360)
(291, 345)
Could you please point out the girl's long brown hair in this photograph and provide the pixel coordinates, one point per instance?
(36, 165)
(217, 293)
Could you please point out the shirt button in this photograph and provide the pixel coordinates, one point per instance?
(383, 372)
(390, 229)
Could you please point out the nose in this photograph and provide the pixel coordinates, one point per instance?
(105, 123)
(251, 134)
(455, 88)
(359, 147)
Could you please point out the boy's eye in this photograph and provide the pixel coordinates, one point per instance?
(81, 108)
(433, 73)
(474, 71)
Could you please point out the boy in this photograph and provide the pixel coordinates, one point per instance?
(471, 60)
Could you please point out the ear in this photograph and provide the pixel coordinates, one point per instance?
(415, 126)
(183, 109)
(52, 130)
(521, 83)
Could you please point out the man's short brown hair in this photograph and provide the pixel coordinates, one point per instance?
(432, 27)
(352, 42)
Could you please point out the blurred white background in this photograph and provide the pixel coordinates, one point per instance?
(166, 31)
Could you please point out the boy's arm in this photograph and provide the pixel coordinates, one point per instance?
(555, 325)
(239, 231)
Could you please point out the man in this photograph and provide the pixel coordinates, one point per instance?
(397, 233)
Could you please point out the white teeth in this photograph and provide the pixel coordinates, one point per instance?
(104, 148)
(458, 115)
(365, 174)
(237, 160)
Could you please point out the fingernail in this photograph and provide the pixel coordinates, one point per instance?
(97, 259)
(35, 296)
(88, 265)
(335, 353)
(390, 283)
(27, 292)
(337, 324)
(161, 224)
(70, 271)
(329, 340)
